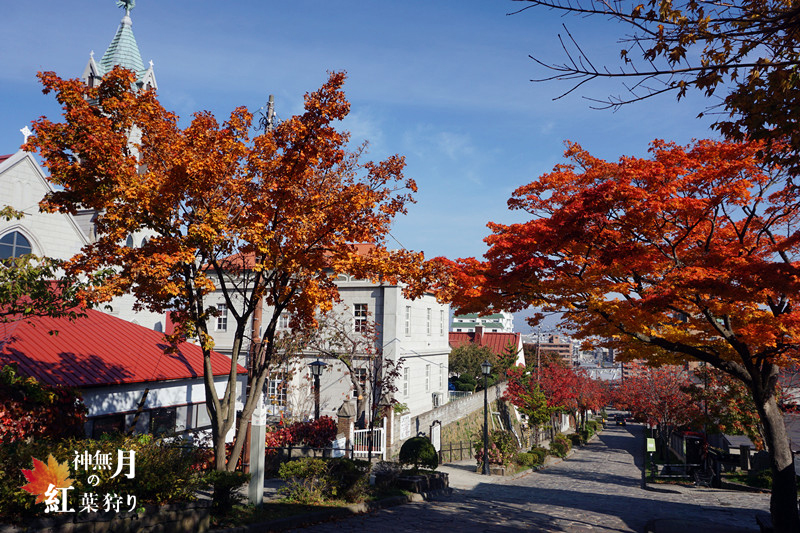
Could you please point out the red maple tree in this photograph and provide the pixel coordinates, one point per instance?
(690, 254)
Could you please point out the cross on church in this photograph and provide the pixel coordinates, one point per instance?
(26, 133)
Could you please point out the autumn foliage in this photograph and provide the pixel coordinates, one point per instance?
(257, 219)
(690, 254)
(32, 410)
(315, 434)
(658, 396)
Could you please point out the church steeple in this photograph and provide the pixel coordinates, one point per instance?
(122, 51)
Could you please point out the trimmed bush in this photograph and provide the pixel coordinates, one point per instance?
(525, 459)
(560, 445)
(419, 451)
(539, 452)
(576, 439)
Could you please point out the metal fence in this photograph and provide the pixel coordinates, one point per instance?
(456, 451)
(456, 394)
(362, 439)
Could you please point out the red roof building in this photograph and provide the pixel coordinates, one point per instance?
(498, 343)
(116, 364)
(98, 350)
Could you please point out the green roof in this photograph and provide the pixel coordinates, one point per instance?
(487, 325)
(473, 316)
(123, 51)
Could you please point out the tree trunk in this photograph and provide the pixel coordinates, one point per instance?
(783, 502)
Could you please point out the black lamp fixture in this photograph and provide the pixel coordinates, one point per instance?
(316, 370)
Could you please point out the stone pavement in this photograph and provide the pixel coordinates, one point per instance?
(597, 489)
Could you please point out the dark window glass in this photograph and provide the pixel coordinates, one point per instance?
(107, 424)
(14, 244)
(162, 421)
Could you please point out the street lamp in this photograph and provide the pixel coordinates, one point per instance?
(316, 370)
(486, 368)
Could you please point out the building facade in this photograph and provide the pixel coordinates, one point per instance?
(501, 322)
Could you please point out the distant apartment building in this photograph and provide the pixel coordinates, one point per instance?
(554, 345)
(500, 322)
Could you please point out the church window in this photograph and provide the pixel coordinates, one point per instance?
(14, 244)
(129, 241)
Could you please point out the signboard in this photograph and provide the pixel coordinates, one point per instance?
(651, 444)
(405, 426)
(436, 436)
(339, 447)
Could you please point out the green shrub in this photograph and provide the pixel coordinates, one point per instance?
(539, 453)
(525, 459)
(348, 479)
(560, 445)
(502, 448)
(465, 383)
(226, 490)
(419, 451)
(593, 426)
(305, 480)
(311, 480)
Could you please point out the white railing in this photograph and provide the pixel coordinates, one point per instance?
(361, 440)
(456, 394)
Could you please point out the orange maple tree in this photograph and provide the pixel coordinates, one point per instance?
(690, 254)
(243, 216)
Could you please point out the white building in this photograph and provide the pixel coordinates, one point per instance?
(410, 332)
(500, 322)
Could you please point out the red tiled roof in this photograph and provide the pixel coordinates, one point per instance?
(98, 350)
(496, 342)
(4, 157)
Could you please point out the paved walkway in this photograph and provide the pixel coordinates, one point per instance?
(598, 489)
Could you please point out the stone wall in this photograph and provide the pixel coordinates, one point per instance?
(451, 412)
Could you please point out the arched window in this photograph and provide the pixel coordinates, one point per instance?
(129, 241)
(14, 244)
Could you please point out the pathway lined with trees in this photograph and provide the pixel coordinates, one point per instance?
(599, 488)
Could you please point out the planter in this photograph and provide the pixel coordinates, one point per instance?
(423, 482)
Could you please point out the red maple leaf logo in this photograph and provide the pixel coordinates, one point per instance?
(44, 475)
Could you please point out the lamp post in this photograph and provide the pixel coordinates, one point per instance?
(486, 368)
(316, 370)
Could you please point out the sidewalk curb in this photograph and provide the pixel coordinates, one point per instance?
(294, 522)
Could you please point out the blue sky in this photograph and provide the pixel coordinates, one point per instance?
(446, 84)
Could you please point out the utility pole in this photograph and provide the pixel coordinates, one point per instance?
(255, 440)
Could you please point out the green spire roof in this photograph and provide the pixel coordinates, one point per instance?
(124, 51)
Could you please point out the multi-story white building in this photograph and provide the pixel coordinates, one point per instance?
(411, 333)
(500, 322)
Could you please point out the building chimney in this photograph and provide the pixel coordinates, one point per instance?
(478, 334)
